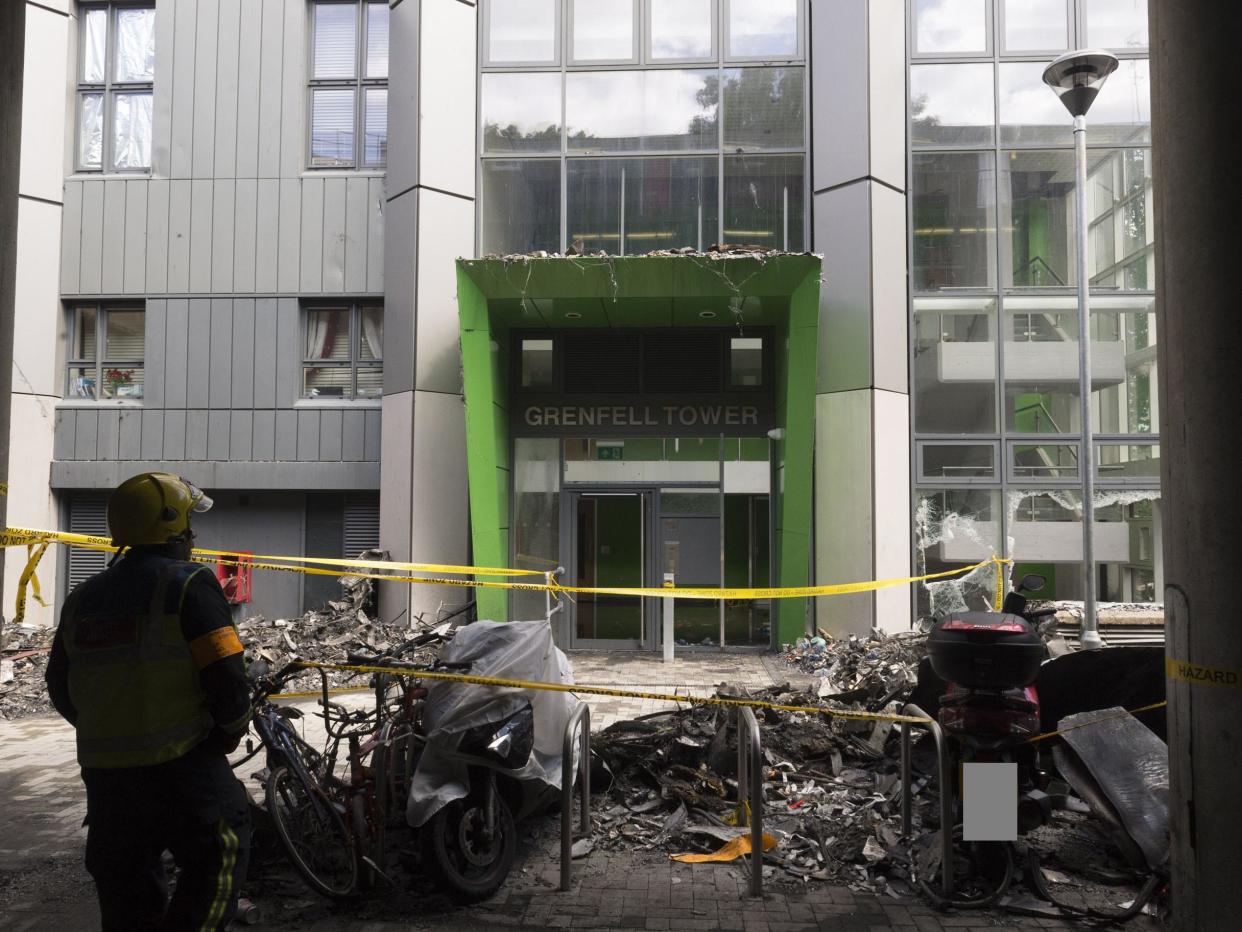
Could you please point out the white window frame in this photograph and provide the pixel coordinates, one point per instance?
(359, 83)
(109, 88)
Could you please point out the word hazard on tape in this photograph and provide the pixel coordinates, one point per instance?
(1198, 674)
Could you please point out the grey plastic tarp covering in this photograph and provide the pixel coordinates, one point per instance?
(1131, 765)
(520, 650)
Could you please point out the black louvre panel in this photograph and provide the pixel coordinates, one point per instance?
(601, 362)
(681, 362)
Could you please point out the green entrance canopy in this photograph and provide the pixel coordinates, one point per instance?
(774, 290)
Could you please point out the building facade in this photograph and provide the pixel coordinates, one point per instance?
(240, 231)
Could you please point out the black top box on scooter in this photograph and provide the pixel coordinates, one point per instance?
(986, 650)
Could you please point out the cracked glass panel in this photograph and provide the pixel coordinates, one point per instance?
(956, 528)
(764, 108)
(764, 201)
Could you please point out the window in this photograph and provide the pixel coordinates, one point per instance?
(349, 85)
(116, 68)
(106, 349)
(343, 352)
(663, 124)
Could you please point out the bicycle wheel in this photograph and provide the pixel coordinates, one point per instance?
(314, 836)
(393, 763)
(368, 829)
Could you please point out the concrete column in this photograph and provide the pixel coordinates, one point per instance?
(429, 222)
(1195, 89)
(12, 44)
(862, 466)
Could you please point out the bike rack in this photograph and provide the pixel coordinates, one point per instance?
(946, 792)
(582, 715)
(750, 788)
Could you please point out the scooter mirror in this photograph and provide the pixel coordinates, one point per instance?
(1032, 582)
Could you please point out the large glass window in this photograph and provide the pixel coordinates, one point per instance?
(1117, 24)
(1123, 332)
(1036, 25)
(343, 352)
(955, 365)
(107, 346)
(950, 26)
(954, 203)
(1041, 365)
(551, 140)
(116, 71)
(951, 105)
(349, 85)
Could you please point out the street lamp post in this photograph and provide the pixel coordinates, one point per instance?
(1077, 78)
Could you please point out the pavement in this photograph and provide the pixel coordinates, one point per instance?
(44, 886)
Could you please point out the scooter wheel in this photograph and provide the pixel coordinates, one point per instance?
(457, 852)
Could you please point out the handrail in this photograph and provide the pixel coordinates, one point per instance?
(750, 784)
(946, 792)
(581, 715)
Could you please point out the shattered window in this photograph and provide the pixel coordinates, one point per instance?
(955, 528)
(116, 73)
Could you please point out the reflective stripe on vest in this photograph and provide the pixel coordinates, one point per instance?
(133, 680)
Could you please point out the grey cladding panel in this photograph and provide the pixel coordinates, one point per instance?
(375, 237)
(333, 262)
(156, 258)
(267, 235)
(152, 435)
(205, 41)
(196, 435)
(176, 345)
(288, 364)
(222, 239)
(179, 237)
(183, 90)
(86, 434)
(356, 201)
(308, 436)
(174, 435)
(155, 359)
(288, 268)
(91, 268)
(135, 237)
(264, 434)
(286, 436)
(266, 351)
(353, 435)
(312, 235)
(249, 66)
(403, 97)
(240, 427)
(108, 434)
(218, 430)
(201, 207)
(293, 90)
(220, 366)
(330, 436)
(271, 67)
(130, 434)
(399, 310)
(372, 451)
(198, 364)
(112, 272)
(243, 354)
(71, 237)
(228, 48)
(244, 222)
(65, 433)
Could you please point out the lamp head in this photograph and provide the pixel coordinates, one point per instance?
(1078, 76)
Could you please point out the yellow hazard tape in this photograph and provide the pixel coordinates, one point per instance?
(1095, 721)
(29, 578)
(576, 688)
(1197, 674)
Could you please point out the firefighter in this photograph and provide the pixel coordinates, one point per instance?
(147, 667)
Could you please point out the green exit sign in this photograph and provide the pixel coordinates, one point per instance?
(610, 452)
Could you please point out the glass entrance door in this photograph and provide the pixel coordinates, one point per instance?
(690, 552)
(610, 549)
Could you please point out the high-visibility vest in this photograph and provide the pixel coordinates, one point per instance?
(132, 678)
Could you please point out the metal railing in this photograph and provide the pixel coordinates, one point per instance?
(750, 789)
(946, 792)
(581, 716)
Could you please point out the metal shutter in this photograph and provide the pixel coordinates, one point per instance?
(88, 514)
(362, 521)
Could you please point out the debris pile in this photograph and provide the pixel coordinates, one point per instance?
(22, 663)
(832, 790)
(873, 671)
(717, 251)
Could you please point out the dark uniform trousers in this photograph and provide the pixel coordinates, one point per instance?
(192, 806)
